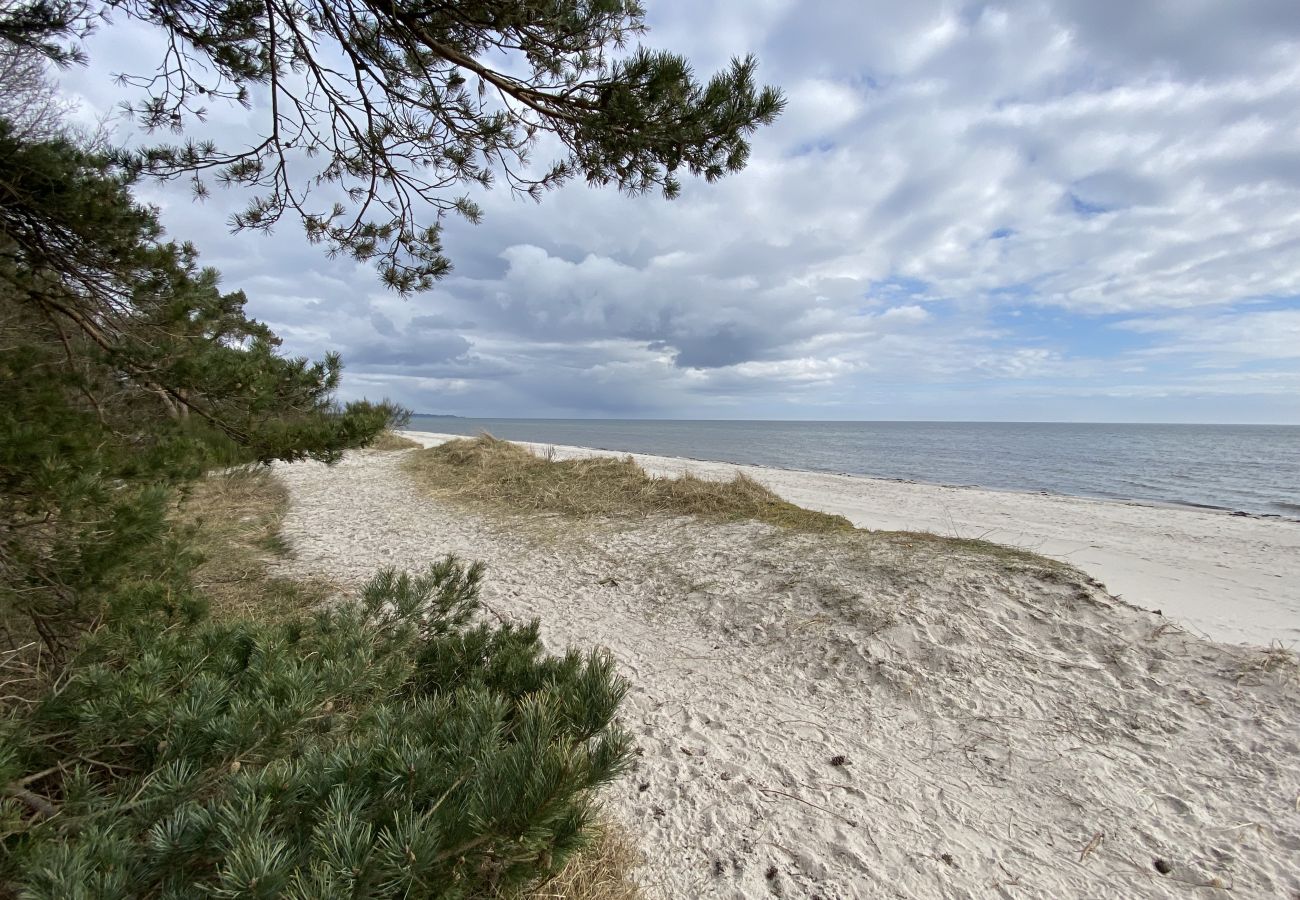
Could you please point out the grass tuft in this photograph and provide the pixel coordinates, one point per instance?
(602, 870)
(1003, 553)
(1274, 662)
(486, 469)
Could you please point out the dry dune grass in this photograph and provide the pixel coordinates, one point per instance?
(236, 516)
(601, 871)
(389, 441)
(486, 469)
(1275, 663)
(1012, 558)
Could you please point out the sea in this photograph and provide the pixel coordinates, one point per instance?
(1250, 469)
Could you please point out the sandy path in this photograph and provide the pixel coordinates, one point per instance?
(1229, 577)
(1006, 732)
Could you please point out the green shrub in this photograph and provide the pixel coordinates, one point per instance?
(385, 748)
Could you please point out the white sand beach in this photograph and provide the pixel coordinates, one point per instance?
(899, 717)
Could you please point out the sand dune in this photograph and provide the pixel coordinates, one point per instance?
(835, 718)
(1231, 578)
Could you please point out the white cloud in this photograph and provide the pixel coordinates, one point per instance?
(941, 166)
(1226, 338)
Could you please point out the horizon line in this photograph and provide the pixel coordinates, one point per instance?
(859, 421)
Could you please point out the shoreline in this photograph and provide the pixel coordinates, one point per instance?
(864, 476)
(1166, 493)
(1230, 577)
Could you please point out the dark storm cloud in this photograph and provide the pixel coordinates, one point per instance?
(724, 346)
(384, 325)
(409, 352)
(1193, 38)
(439, 323)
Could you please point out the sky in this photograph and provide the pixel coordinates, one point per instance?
(1083, 210)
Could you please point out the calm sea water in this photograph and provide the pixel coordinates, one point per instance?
(1247, 468)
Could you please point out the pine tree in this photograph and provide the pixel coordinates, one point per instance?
(125, 371)
(385, 112)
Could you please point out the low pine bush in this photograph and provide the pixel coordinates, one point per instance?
(388, 748)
